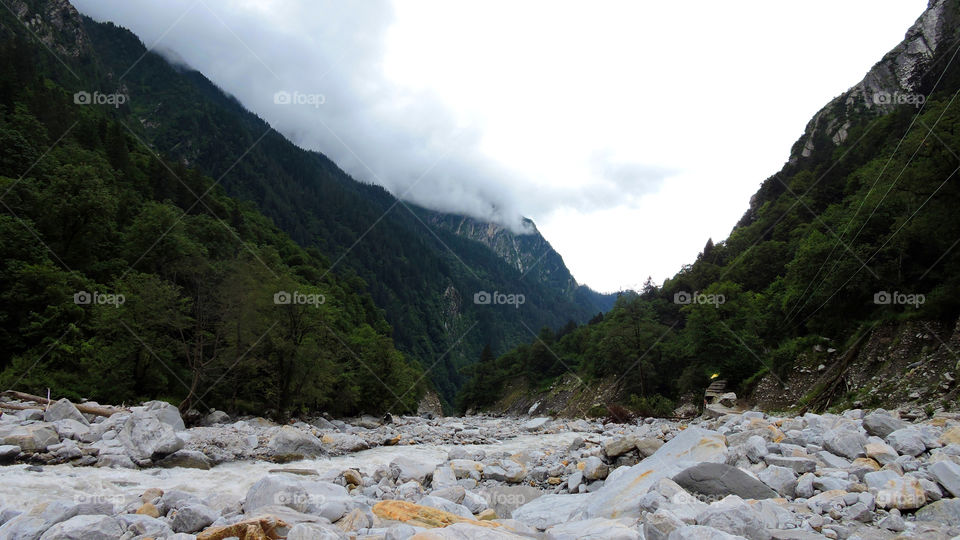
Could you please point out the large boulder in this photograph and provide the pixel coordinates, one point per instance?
(895, 491)
(845, 441)
(735, 517)
(907, 441)
(30, 438)
(943, 511)
(619, 496)
(193, 518)
(145, 437)
(881, 423)
(291, 443)
(947, 474)
(62, 410)
(406, 468)
(720, 480)
(549, 510)
(165, 412)
(310, 497)
(32, 524)
(85, 527)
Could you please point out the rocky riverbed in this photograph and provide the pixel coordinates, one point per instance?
(140, 473)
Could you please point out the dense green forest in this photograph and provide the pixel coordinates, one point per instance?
(855, 234)
(421, 276)
(123, 277)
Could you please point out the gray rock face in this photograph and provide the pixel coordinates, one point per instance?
(719, 479)
(85, 528)
(315, 531)
(30, 438)
(619, 445)
(188, 459)
(164, 412)
(845, 442)
(310, 497)
(595, 528)
(62, 410)
(907, 441)
(145, 437)
(290, 441)
(736, 519)
(781, 479)
(947, 474)
(882, 423)
(406, 469)
(549, 510)
(798, 464)
(944, 511)
(146, 526)
(193, 518)
(32, 524)
(594, 468)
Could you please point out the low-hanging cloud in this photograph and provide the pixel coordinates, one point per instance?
(312, 69)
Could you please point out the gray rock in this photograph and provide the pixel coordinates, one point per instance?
(85, 528)
(217, 417)
(535, 424)
(700, 532)
(734, 517)
(115, 461)
(881, 423)
(618, 497)
(406, 468)
(315, 531)
(193, 518)
(859, 512)
(619, 445)
(445, 505)
(454, 494)
(943, 511)
(595, 528)
(144, 526)
(32, 524)
(907, 441)
(660, 524)
(594, 468)
(310, 497)
(30, 438)
(164, 412)
(549, 510)
(719, 479)
(145, 437)
(755, 448)
(845, 442)
(62, 410)
(187, 459)
(290, 442)
(798, 464)
(805, 485)
(8, 453)
(781, 479)
(574, 481)
(832, 460)
(505, 499)
(946, 473)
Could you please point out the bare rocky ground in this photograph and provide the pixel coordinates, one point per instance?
(861, 474)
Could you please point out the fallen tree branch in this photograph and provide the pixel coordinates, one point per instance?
(97, 410)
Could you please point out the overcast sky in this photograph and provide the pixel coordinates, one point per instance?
(630, 132)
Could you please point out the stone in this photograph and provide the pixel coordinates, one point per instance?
(950, 436)
(466, 468)
(895, 491)
(728, 399)
(535, 424)
(85, 528)
(446, 505)
(755, 448)
(315, 531)
(443, 477)
(187, 459)
(145, 437)
(421, 516)
(30, 438)
(619, 445)
(798, 464)
(144, 526)
(660, 524)
(574, 481)
(62, 410)
(882, 453)
(648, 446)
(8, 453)
(593, 468)
(700, 532)
(115, 461)
(292, 443)
(466, 531)
(880, 423)
(311, 497)
(165, 413)
(907, 441)
(618, 497)
(595, 528)
(453, 494)
(827, 501)
(845, 442)
(354, 521)
(718, 479)
(943, 511)
(782, 479)
(32, 524)
(831, 460)
(505, 499)
(407, 468)
(859, 512)
(549, 510)
(805, 485)
(216, 417)
(193, 518)
(735, 517)
(947, 474)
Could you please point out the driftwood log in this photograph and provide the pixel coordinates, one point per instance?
(97, 410)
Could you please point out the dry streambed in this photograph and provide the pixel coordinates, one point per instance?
(141, 474)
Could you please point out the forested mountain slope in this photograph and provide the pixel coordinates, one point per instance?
(421, 274)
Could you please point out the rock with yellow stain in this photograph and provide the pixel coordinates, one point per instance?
(554, 480)
(865, 463)
(422, 516)
(487, 515)
(252, 529)
(148, 509)
(950, 436)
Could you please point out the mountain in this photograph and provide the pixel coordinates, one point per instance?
(842, 257)
(422, 274)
